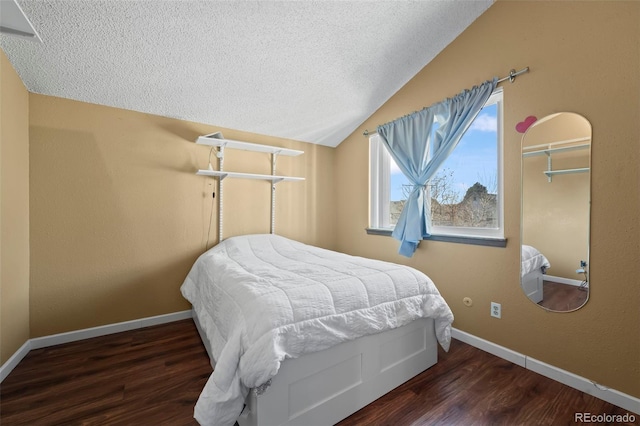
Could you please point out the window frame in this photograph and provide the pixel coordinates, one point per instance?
(380, 200)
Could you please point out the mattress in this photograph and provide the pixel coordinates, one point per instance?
(532, 259)
(263, 298)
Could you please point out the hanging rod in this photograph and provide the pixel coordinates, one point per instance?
(511, 77)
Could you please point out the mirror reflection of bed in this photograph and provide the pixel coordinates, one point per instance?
(555, 212)
(543, 290)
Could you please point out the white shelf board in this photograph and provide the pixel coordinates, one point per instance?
(559, 143)
(273, 178)
(555, 150)
(566, 171)
(212, 140)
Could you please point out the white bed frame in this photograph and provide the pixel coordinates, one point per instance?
(532, 285)
(325, 387)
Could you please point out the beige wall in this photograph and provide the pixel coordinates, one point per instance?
(14, 211)
(555, 215)
(118, 215)
(585, 58)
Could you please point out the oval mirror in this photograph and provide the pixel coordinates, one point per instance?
(556, 199)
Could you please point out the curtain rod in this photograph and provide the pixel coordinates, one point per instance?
(511, 77)
(513, 74)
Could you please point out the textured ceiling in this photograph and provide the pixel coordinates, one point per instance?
(306, 70)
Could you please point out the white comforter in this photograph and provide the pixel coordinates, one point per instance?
(263, 298)
(532, 259)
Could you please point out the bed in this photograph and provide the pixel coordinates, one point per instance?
(302, 335)
(534, 266)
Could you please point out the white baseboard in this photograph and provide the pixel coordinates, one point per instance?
(487, 346)
(582, 384)
(15, 359)
(561, 280)
(103, 330)
(87, 333)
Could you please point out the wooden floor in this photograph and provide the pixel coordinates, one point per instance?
(562, 297)
(472, 387)
(150, 376)
(153, 376)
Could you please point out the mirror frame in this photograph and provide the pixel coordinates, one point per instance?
(550, 175)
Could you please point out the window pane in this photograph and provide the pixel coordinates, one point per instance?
(464, 192)
(400, 189)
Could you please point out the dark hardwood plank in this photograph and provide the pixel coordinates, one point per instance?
(472, 387)
(153, 376)
(148, 376)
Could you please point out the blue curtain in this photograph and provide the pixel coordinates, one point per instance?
(419, 151)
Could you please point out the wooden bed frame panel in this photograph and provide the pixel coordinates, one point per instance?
(328, 386)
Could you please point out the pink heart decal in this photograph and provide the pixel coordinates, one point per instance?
(522, 126)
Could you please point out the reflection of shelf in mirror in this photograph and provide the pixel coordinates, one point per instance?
(562, 142)
(556, 148)
(550, 173)
(273, 178)
(550, 150)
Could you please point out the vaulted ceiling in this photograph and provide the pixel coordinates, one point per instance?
(312, 71)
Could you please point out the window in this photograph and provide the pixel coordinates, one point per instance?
(466, 192)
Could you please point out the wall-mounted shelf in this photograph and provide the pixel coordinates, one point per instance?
(550, 173)
(216, 140)
(556, 148)
(273, 178)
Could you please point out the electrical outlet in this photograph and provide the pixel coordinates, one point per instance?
(496, 310)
